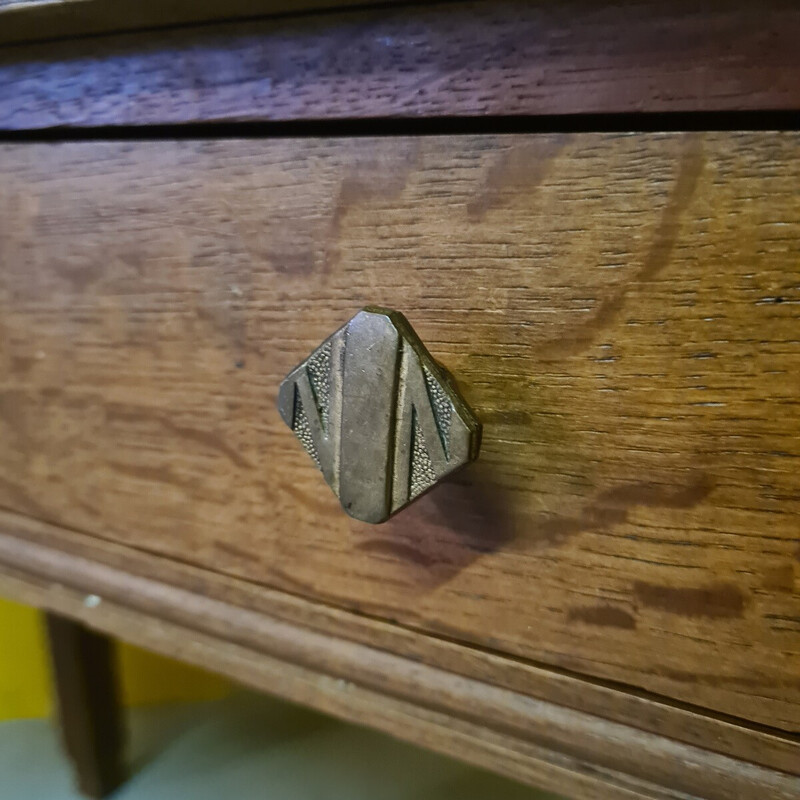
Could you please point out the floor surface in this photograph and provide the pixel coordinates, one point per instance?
(246, 747)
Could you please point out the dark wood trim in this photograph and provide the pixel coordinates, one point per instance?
(406, 693)
(89, 717)
(33, 20)
(475, 59)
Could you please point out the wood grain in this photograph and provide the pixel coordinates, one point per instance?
(453, 59)
(90, 565)
(620, 311)
(537, 741)
(468, 742)
(35, 20)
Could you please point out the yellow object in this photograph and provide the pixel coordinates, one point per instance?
(145, 677)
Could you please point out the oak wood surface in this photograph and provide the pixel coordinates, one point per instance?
(451, 59)
(620, 311)
(534, 740)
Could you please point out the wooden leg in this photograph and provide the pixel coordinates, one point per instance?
(88, 709)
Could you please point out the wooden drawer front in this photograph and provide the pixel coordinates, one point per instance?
(620, 310)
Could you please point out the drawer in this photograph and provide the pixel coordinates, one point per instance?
(621, 311)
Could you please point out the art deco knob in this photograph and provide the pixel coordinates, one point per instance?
(379, 417)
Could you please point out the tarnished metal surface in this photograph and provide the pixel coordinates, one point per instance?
(378, 415)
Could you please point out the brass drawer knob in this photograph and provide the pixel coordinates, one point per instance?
(379, 417)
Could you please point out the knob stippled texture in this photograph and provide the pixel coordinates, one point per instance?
(379, 417)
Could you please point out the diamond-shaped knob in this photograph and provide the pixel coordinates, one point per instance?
(379, 417)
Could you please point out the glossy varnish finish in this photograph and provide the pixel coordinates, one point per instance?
(621, 311)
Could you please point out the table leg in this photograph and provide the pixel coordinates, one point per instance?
(89, 714)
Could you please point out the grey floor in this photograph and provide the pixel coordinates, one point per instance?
(250, 746)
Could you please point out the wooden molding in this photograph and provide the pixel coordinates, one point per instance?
(474, 744)
(443, 60)
(409, 695)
